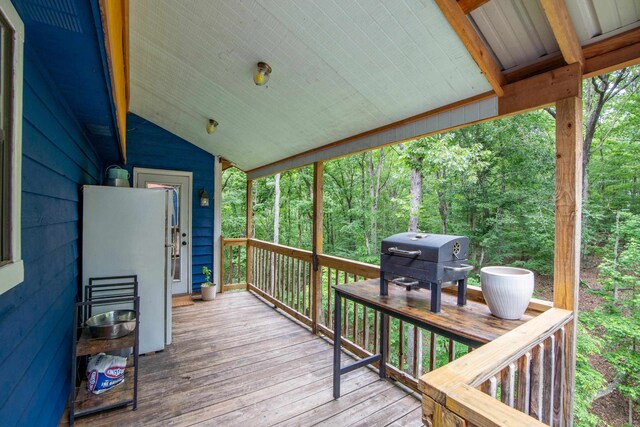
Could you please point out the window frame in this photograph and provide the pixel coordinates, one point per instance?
(12, 267)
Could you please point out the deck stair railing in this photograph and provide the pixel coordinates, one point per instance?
(518, 377)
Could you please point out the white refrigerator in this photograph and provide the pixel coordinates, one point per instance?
(126, 231)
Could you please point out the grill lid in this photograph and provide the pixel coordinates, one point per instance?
(427, 247)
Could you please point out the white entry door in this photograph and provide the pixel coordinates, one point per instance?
(180, 184)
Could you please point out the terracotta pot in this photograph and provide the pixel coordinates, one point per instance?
(208, 292)
(507, 290)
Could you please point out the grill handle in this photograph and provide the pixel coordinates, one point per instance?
(463, 267)
(395, 250)
(403, 281)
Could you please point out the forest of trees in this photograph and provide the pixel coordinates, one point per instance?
(494, 182)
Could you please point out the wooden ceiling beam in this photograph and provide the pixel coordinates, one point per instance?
(474, 44)
(613, 53)
(468, 6)
(540, 90)
(226, 164)
(563, 30)
(619, 51)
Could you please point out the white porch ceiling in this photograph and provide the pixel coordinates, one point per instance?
(339, 68)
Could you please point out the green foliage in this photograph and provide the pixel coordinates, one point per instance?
(207, 276)
(619, 317)
(588, 380)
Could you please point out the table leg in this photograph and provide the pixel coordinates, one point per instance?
(384, 286)
(462, 292)
(384, 321)
(337, 328)
(436, 294)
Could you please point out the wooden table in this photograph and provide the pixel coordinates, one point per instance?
(472, 324)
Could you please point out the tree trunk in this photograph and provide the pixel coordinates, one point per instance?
(414, 215)
(615, 256)
(374, 193)
(600, 90)
(416, 199)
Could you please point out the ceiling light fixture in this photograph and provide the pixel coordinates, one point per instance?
(211, 126)
(261, 76)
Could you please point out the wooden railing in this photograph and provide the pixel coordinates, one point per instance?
(234, 264)
(516, 380)
(284, 276)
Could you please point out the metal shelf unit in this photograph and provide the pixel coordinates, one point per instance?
(120, 291)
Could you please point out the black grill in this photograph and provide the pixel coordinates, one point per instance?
(425, 261)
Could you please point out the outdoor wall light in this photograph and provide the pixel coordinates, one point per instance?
(204, 198)
(261, 76)
(211, 126)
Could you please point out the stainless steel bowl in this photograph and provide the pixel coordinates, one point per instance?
(112, 324)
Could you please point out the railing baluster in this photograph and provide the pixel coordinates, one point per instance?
(281, 278)
(365, 328)
(289, 282)
(452, 350)
(230, 279)
(485, 387)
(376, 344)
(329, 317)
(258, 275)
(416, 350)
(524, 383)
(265, 271)
(304, 288)
(493, 387)
(537, 361)
(401, 346)
(507, 385)
(558, 375)
(345, 317)
(239, 265)
(432, 352)
(296, 272)
(549, 370)
(355, 323)
(276, 275)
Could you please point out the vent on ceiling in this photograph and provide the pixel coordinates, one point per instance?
(57, 13)
(98, 130)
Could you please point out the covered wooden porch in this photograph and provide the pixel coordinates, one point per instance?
(237, 361)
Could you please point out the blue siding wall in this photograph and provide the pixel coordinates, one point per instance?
(36, 316)
(149, 146)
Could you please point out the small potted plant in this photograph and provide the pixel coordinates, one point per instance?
(207, 289)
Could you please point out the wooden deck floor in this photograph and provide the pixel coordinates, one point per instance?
(237, 362)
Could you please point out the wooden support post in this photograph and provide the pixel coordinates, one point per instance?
(221, 264)
(566, 263)
(249, 231)
(316, 283)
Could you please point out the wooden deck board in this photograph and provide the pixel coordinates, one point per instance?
(237, 361)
